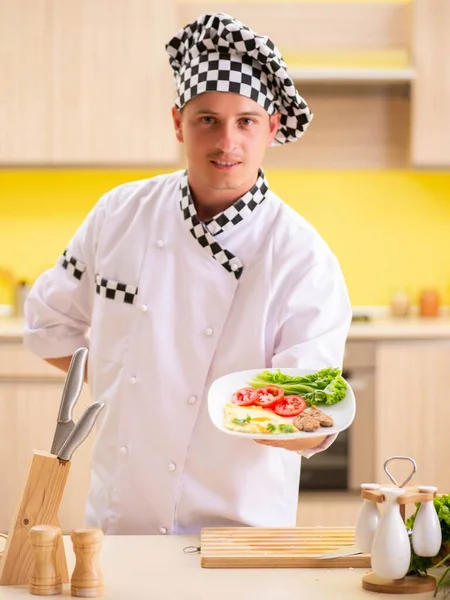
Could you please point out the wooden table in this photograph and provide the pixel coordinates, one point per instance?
(155, 568)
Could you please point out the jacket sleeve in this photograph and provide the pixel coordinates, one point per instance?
(59, 305)
(314, 324)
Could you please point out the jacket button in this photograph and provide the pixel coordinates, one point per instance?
(163, 530)
(124, 450)
(209, 331)
(144, 307)
(192, 399)
(172, 466)
(133, 379)
(160, 243)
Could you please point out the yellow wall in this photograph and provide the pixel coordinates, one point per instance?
(389, 229)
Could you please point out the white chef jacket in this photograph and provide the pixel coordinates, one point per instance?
(158, 463)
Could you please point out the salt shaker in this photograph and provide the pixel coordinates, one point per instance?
(368, 521)
(391, 550)
(427, 534)
(45, 580)
(87, 577)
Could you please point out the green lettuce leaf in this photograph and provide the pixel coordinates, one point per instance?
(326, 386)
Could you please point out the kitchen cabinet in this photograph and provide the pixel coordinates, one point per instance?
(411, 408)
(328, 509)
(89, 82)
(401, 403)
(376, 75)
(30, 393)
(25, 93)
(86, 83)
(359, 370)
(351, 63)
(431, 88)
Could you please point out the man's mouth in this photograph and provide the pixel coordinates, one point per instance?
(224, 165)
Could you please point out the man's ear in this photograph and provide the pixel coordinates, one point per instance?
(274, 125)
(176, 116)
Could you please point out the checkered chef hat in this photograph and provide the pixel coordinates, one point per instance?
(218, 53)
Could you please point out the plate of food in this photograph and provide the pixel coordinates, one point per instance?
(281, 404)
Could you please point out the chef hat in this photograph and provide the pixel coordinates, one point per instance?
(217, 53)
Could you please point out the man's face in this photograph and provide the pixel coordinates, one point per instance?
(225, 137)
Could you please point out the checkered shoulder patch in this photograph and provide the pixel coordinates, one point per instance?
(72, 265)
(114, 290)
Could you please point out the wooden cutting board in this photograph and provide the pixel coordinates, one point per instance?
(254, 547)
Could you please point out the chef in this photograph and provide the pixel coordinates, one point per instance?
(186, 277)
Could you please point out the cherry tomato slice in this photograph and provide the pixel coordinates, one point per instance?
(244, 397)
(290, 406)
(269, 397)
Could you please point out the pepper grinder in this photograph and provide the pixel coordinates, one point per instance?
(45, 579)
(87, 577)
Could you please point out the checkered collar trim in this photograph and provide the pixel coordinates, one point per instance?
(204, 231)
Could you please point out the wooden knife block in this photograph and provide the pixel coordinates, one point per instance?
(39, 505)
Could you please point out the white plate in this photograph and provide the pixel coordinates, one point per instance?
(222, 390)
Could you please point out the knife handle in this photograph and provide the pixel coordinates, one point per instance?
(81, 430)
(73, 384)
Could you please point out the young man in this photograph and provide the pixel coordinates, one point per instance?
(187, 277)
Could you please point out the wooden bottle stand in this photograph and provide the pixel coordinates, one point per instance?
(411, 584)
(39, 505)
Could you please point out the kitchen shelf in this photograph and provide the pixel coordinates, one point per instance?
(376, 66)
(352, 75)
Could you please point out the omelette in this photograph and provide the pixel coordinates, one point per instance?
(254, 419)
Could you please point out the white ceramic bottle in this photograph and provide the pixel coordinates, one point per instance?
(391, 550)
(427, 533)
(368, 520)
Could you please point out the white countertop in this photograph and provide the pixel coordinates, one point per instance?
(377, 329)
(401, 328)
(155, 567)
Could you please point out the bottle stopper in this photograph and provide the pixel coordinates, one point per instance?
(45, 579)
(87, 577)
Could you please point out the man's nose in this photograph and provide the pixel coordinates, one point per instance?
(226, 141)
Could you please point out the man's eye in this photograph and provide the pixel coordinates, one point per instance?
(208, 120)
(247, 121)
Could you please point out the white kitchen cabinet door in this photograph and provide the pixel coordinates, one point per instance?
(411, 410)
(28, 413)
(86, 82)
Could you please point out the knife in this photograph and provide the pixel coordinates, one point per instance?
(80, 431)
(345, 551)
(72, 390)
